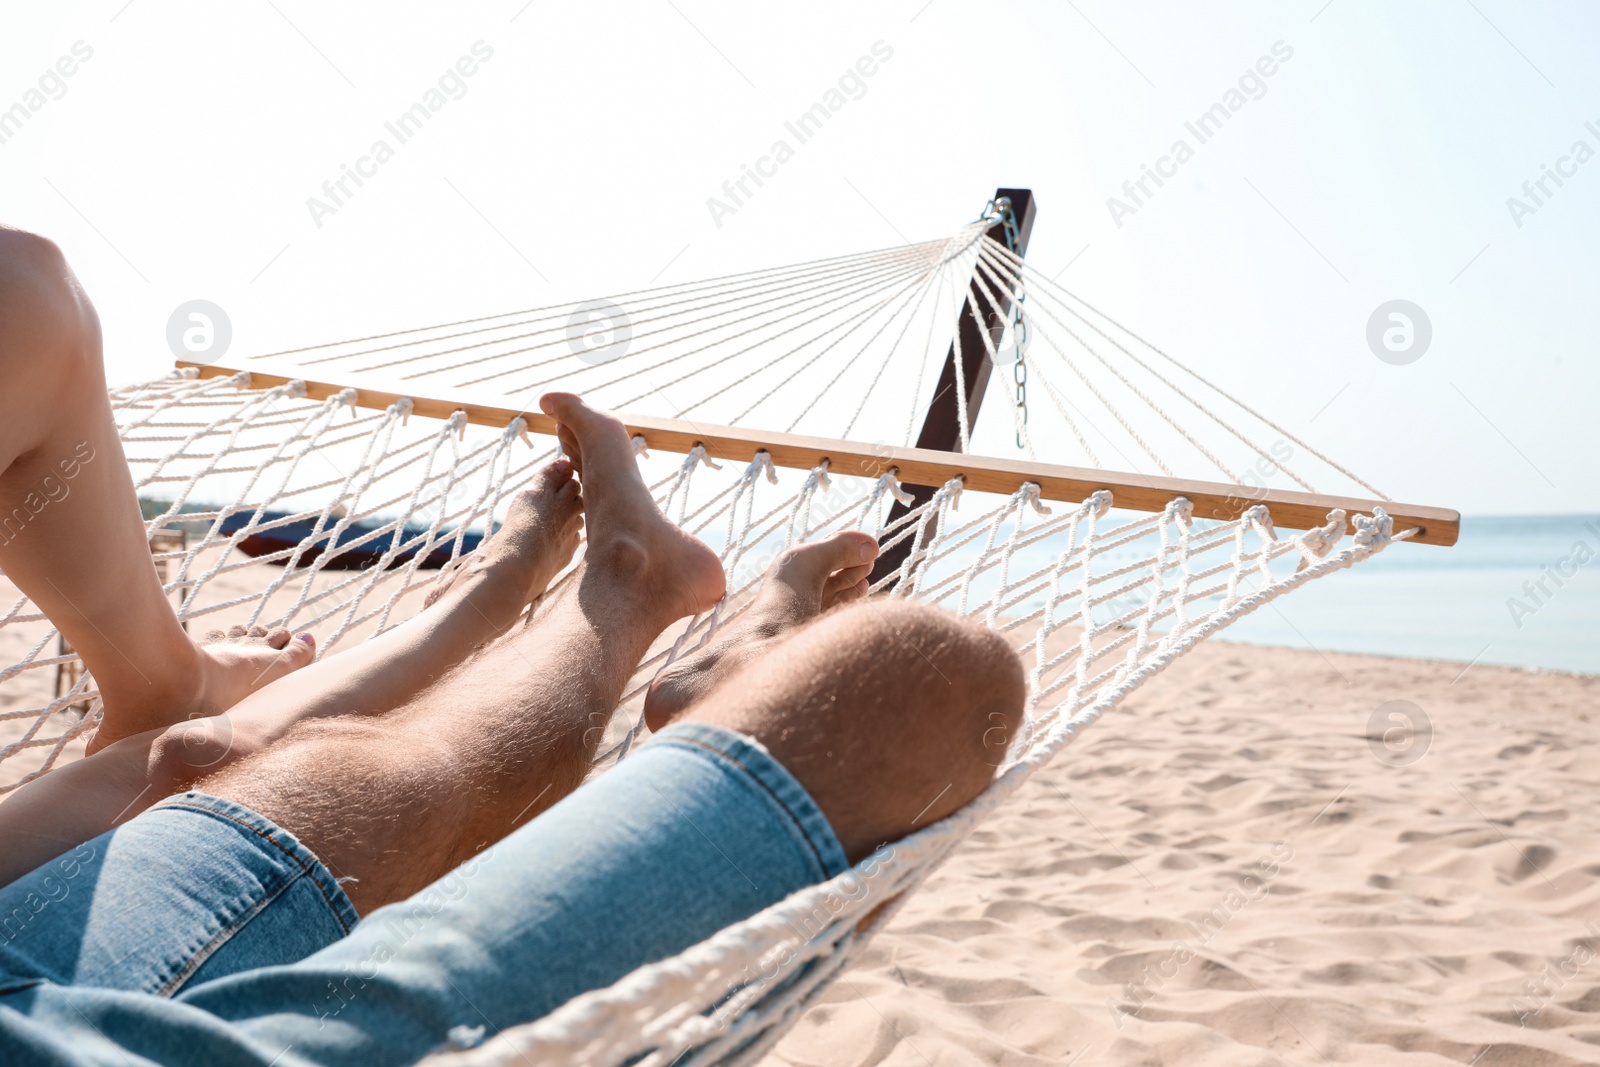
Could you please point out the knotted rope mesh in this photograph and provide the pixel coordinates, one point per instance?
(1095, 599)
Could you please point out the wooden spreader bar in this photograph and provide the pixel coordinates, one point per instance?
(919, 466)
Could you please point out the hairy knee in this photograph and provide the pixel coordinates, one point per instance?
(893, 714)
(184, 753)
(970, 674)
(966, 690)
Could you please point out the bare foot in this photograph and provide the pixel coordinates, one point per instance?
(801, 584)
(516, 565)
(628, 535)
(227, 667)
(513, 567)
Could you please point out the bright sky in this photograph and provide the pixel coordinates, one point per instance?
(1373, 164)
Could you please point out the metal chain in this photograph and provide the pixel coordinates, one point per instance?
(1019, 369)
(1019, 324)
(1000, 210)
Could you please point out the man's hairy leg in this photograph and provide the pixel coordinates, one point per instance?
(71, 536)
(395, 802)
(480, 601)
(890, 712)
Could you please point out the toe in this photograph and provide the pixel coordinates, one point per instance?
(296, 653)
(848, 584)
(569, 446)
(812, 564)
(569, 499)
(551, 478)
(594, 437)
(278, 638)
(850, 594)
(567, 408)
(237, 632)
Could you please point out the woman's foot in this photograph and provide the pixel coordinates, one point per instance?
(224, 668)
(628, 535)
(801, 584)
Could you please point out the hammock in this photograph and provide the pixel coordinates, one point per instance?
(1101, 579)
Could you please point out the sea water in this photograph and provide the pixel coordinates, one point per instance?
(1521, 590)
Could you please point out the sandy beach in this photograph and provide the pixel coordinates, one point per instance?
(1225, 872)
(1229, 869)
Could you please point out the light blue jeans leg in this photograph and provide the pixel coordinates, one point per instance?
(698, 829)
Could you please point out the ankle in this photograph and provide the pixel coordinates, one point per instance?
(622, 558)
(498, 588)
(180, 675)
(173, 681)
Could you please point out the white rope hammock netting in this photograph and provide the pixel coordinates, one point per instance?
(1096, 600)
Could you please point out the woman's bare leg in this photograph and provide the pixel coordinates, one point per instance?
(71, 536)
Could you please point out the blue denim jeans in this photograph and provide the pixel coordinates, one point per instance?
(201, 933)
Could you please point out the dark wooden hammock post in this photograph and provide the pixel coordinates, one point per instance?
(941, 427)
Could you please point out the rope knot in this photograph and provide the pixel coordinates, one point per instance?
(954, 488)
(1100, 502)
(699, 455)
(640, 448)
(518, 427)
(1318, 541)
(457, 422)
(1259, 517)
(1030, 494)
(1375, 530)
(1181, 511)
(889, 482)
(295, 389)
(401, 407)
(759, 465)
